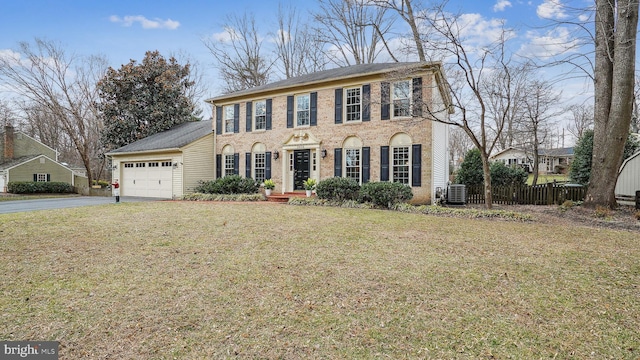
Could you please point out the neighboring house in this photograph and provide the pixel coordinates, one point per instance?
(167, 164)
(628, 180)
(551, 161)
(23, 158)
(366, 122)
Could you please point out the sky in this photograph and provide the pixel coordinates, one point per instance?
(125, 30)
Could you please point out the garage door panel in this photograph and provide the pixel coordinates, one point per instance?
(147, 179)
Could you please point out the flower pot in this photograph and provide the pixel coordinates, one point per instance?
(267, 192)
(308, 193)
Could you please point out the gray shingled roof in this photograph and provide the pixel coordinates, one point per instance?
(568, 151)
(338, 73)
(174, 138)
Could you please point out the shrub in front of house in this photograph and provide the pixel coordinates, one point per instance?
(385, 194)
(338, 188)
(232, 184)
(39, 187)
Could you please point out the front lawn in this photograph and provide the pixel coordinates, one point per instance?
(211, 280)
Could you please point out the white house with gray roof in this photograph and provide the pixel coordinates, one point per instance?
(167, 164)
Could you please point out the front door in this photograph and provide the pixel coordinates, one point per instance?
(301, 166)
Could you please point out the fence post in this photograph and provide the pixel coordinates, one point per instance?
(549, 193)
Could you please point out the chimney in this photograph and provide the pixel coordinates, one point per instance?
(8, 142)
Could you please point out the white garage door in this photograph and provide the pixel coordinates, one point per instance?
(147, 179)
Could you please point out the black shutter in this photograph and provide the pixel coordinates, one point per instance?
(249, 115)
(236, 163)
(269, 113)
(366, 102)
(385, 101)
(366, 164)
(218, 166)
(35, 177)
(48, 177)
(416, 163)
(218, 120)
(384, 163)
(337, 162)
(338, 106)
(267, 165)
(313, 109)
(236, 118)
(247, 164)
(417, 96)
(289, 111)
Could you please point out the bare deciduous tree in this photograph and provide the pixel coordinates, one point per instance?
(239, 54)
(407, 11)
(351, 29)
(540, 114)
(297, 49)
(616, 27)
(581, 119)
(64, 85)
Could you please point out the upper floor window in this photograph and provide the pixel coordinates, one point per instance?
(302, 110)
(353, 104)
(260, 114)
(401, 98)
(229, 115)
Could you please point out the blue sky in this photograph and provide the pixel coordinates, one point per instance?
(124, 30)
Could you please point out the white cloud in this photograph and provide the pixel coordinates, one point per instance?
(550, 44)
(144, 22)
(551, 9)
(501, 5)
(10, 56)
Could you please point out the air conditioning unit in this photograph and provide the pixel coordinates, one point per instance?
(456, 194)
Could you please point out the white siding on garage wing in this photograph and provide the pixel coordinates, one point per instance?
(440, 153)
(199, 163)
(629, 178)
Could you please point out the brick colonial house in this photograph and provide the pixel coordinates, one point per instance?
(367, 122)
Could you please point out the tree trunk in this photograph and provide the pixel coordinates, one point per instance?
(486, 172)
(614, 76)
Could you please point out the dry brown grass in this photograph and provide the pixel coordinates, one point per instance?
(196, 280)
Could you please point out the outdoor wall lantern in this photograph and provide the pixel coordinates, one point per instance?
(324, 153)
(276, 154)
(115, 167)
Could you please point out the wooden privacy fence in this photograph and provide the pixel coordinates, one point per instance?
(544, 194)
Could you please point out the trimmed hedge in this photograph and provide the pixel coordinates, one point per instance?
(232, 184)
(338, 188)
(39, 187)
(385, 194)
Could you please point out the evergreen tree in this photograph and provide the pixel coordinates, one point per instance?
(139, 100)
(470, 172)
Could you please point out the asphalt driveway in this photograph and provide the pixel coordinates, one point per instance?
(61, 203)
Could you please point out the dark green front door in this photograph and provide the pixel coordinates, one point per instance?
(301, 166)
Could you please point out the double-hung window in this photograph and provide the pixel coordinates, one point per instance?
(352, 164)
(229, 114)
(302, 110)
(260, 114)
(353, 104)
(229, 164)
(401, 98)
(401, 165)
(259, 166)
(41, 177)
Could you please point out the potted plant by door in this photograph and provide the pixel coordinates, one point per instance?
(309, 186)
(268, 186)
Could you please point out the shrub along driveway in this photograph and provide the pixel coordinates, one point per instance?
(218, 280)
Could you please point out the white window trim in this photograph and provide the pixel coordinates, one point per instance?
(295, 109)
(255, 115)
(344, 164)
(41, 177)
(392, 108)
(345, 106)
(254, 162)
(224, 118)
(409, 163)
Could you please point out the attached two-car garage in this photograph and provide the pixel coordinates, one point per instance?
(147, 178)
(166, 165)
